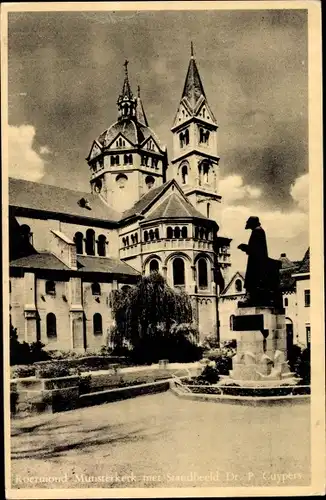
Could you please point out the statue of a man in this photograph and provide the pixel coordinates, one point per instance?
(256, 279)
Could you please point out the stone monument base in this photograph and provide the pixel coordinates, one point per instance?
(261, 358)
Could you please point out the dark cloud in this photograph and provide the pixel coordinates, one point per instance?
(253, 65)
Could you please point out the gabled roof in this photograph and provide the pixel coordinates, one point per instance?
(175, 206)
(85, 264)
(45, 197)
(237, 274)
(145, 200)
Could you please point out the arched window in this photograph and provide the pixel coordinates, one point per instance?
(196, 232)
(186, 135)
(127, 159)
(177, 232)
(51, 325)
(286, 302)
(126, 288)
(178, 271)
(201, 233)
(121, 180)
(78, 239)
(238, 285)
(146, 236)
(127, 241)
(155, 163)
(151, 234)
(202, 273)
(124, 241)
(208, 207)
(90, 242)
(150, 181)
(50, 287)
(184, 232)
(132, 239)
(169, 233)
(181, 139)
(96, 289)
(157, 233)
(184, 174)
(101, 245)
(205, 171)
(136, 238)
(153, 266)
(27, 235)
(97, 324)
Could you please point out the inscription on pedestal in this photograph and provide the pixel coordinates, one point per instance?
(248, 322)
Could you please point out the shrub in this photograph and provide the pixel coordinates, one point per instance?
(22, 353)
(53, 370)
(210, 375)
(22, 371)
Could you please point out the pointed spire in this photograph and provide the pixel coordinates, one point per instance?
(126, 101)
(193, 87)
(140, 113)
(126, 91)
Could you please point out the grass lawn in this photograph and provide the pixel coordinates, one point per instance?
(160, 441)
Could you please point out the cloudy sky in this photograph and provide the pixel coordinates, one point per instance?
(66, 71)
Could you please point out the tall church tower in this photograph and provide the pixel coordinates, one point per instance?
(195, 162)
(127, 159)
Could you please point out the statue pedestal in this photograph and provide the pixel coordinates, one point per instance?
(261, 346)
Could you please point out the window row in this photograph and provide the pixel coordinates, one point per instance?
(51, 325)
(203, 137)
(115, 160)
(176, 232)
(149, 161)
(202, 233)
(90, 243)
(178, 271)
(133, 238)
(151, 235)
(50, 288)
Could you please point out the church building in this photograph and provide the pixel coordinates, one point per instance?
(143, 213)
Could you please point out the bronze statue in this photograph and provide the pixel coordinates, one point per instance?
(262, 274)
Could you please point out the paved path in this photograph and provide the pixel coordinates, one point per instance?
(161, 440)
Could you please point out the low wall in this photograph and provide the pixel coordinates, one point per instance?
(32, 394)
(185, 393)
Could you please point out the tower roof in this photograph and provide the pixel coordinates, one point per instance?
(140, 113)
(126, 90)
(193, 88)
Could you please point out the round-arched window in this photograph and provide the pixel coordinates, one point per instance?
(51, 325)
(238, 285)
(153, 266)
(202, 273)
(121, 180)
(177, 232)
(97, 324)
(178, 271)
(150, 181)
(169, 233)
(78, 239)
(101, 245)
(184, 232)
(90, 242)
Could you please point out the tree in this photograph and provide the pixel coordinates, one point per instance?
(145, 314)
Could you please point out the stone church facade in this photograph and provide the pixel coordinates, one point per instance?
(69, 249)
